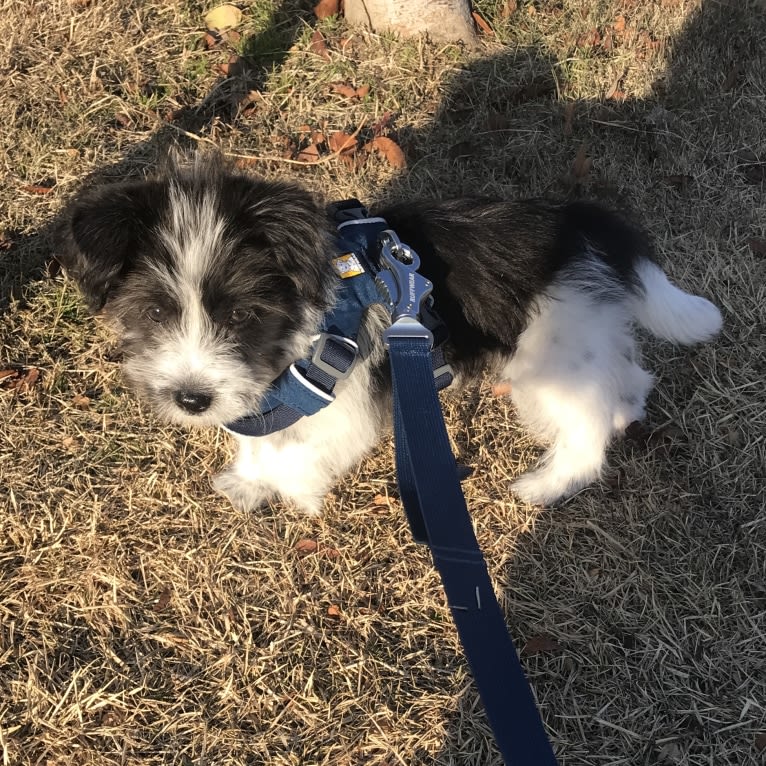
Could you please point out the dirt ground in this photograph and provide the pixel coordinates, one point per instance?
(143, 621)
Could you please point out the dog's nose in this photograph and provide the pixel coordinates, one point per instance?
(193, 401)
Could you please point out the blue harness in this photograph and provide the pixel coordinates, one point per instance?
(308, 384)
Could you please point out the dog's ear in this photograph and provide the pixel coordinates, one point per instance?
(291, 223)
(99, 234)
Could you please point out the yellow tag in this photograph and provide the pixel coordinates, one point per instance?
(347, 266)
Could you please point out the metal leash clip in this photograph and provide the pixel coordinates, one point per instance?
(403, 289)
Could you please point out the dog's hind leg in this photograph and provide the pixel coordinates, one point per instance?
(575, 384)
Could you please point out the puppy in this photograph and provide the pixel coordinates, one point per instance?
(217, 282)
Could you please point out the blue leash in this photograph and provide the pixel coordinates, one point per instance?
(437, 513)
(438, 516)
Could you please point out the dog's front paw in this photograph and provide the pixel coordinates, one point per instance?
(244, 495)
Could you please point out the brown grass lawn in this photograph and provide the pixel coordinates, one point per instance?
(143, 621)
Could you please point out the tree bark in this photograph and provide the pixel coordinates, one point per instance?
(441, 20)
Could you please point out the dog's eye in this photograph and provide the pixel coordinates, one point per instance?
(156, 314)
(239, 316)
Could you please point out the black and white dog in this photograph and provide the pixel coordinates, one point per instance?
(217, 282)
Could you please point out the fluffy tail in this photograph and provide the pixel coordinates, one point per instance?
(670, 313)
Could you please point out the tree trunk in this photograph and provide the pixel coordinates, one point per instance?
(441, 20)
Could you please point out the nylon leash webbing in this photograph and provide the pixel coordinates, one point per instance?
(437, 513)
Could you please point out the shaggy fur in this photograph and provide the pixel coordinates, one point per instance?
(218, 281)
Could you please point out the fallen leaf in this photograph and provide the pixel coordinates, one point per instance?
(340, 142)
(308, 154)
(589, 39)
(229, 67)
(619, 24)
(679, 181)
(531, 10)
(37, 188)
(541, 644)
(614, 92)
(343, 89)
(29, 379)
(644, 436)
(123, 120)
(503, 388)
(607, 42)
(754, 172)
(760, 741)
(389, 149)
(569, 111)
(163, 600)
(319, 46)
(325, 8)
(211, 39)
(382, 123)
(497, 121)
(317, 137)
(362, 91)
(223, 17)
(510, 7)
(381, 500)
(19, 378)
(333, 611)
(69, 443)
(330, 553)
(537, 87)
(582, 163)
(482, 23)
(81, 402)
(460, 151)
(306, 546)
(757, 246)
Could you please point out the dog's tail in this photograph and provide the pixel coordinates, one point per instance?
(670, 313)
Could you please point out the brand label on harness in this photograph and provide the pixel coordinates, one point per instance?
(347, 265)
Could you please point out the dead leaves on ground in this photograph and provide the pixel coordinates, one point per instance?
(541, 644)
(319, 45)
(349, 91)
(307, 547)
(314, 145)
(619, 33)
(19, 378)
(389, 149)
(757, 247)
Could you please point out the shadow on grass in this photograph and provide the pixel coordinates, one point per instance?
(690, 141)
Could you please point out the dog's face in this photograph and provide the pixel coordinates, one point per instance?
(215, 281)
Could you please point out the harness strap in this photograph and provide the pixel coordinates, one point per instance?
(437, 514)
(308, 384)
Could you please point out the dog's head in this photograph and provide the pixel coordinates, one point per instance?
(215, 280)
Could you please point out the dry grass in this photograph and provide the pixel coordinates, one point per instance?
(142, 621)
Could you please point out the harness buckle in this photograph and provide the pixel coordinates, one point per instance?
(338, 359)
(403, 289)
